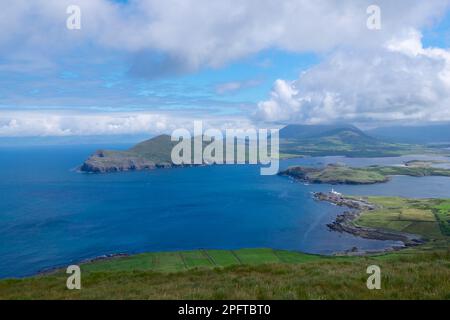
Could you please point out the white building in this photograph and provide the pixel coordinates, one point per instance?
(335, 192)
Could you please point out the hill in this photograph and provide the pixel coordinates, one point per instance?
(264, 274)
(298, 131)
(149, 154)
(343, 140)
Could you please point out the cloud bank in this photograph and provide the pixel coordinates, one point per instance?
(365, 76)
(175, 36)
(69, 123)
(402, 82)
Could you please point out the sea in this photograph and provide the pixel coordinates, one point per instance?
(51, 215)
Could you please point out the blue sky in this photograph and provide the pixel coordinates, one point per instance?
(110, 83)
(265, 64)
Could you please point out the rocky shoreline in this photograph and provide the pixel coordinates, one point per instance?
(54, 269)
(345, 222)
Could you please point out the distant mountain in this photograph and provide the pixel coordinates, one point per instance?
(414, 134)
(344, 140)
(299, 131)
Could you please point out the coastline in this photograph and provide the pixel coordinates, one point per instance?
(103, 257)
(345, 222)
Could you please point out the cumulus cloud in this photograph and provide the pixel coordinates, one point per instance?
(69, 123)
(190, 34)
(400, 82)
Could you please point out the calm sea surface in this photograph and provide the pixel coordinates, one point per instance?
(51, 215)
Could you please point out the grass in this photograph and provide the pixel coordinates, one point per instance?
(186, 260)
(341, 174)
(405, 275)
(417, 216)
(442, 212)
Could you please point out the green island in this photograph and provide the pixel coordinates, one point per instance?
(416, 272)
(341, 174)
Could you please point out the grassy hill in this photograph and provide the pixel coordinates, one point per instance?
(344, 140)
(262, 274)
(149, 154)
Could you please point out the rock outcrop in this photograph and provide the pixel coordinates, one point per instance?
(101, 162)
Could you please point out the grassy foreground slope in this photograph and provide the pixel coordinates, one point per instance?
(267, 274)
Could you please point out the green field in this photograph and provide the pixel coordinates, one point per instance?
(185, 260)
(442, 212)
(246, 274)
(426, 217)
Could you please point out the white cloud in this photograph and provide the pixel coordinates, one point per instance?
(198, 33)
(400, 82)
(69, 123)
(359, 82)
(233, 86)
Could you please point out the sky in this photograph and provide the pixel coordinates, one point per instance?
(150, 66)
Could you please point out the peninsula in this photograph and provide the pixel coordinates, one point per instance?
(341, 174)
(150, 154)
(411, 221)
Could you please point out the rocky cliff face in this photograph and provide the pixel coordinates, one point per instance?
(113, 161)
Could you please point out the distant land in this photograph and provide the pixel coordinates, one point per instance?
(439, 133)
(341, 174)
(343, 140)
(295, 141)
(411, 221)
(149, 154)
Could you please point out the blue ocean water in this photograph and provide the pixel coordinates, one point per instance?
(51, 215)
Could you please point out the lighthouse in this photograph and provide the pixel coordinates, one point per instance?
(335, 192)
